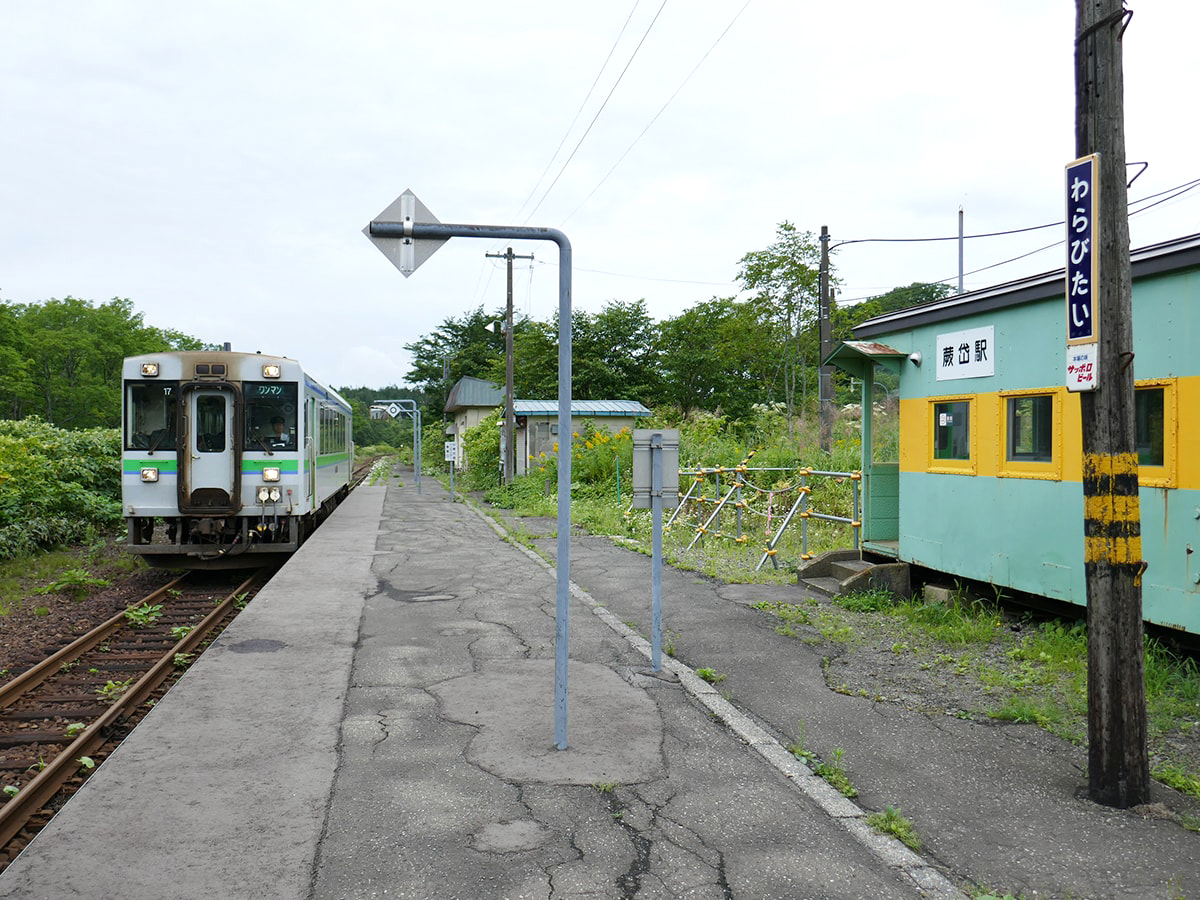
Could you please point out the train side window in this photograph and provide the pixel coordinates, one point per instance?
(952, 430)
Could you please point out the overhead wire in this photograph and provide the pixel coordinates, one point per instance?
(1173, 192)
(604, 104)
(650, 124)
(579, 111)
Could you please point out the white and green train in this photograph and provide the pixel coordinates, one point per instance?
(229, 459)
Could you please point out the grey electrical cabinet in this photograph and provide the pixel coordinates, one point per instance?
(642, 463)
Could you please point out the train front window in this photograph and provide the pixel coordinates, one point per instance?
(270, 416)
(150, 415)
(210, 424)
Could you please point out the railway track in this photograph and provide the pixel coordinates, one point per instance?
(60, 717)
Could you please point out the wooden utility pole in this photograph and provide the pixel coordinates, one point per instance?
(1118, 764)
(509, 450)
(825, 373)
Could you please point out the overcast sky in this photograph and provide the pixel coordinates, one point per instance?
(215, 162)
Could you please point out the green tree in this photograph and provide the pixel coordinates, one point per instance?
(612, 355)
(715, 357)
(459, 346)
(61, 359)
(785, 278)
(916, 294)
(535, 361)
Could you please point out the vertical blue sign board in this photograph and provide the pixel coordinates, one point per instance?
(1083, 256)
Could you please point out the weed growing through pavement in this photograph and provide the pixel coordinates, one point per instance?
(710, 675)
(833, 773)
(891, 822)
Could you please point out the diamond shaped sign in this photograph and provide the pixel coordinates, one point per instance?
(406, 253)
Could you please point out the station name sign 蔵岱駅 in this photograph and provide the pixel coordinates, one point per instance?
(966, 354)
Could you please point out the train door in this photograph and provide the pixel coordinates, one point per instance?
(210, 477)
(311, 436)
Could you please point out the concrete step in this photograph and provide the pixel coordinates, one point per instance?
(845, 568)
(830, 587)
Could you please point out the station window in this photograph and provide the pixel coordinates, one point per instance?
(1030, 426)
(1148, 413)
(1156, 432)
(952, 430)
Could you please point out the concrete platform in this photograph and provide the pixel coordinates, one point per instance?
(379, 723)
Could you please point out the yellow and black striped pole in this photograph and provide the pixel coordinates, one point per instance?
(1118, 761)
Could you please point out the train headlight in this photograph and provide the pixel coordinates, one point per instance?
(150, 474)
(271, 473)
(271, 370)
(264, 494)
(150, 370)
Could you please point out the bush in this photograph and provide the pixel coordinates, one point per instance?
(56, 486)
(482, 447)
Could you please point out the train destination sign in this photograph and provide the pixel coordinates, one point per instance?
(1083, 257)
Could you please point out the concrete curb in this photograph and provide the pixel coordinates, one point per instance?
(849, 815)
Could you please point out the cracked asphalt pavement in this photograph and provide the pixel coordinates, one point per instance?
(449, 783)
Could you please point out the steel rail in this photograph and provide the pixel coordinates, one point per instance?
(14, 689)
(20, 808)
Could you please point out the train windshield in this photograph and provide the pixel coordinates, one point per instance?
(270, 415)
(150, 415)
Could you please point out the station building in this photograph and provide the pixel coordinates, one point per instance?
(985, 480)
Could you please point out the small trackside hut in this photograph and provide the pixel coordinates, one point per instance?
(229, 459)
(987, 481)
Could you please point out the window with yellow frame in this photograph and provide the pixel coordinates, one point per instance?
(1155, 428)
(953, 435)
(1031, 425)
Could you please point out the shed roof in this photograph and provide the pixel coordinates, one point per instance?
(1155, 259)
(469, 391)
(581, 408)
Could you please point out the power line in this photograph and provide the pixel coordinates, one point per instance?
(1178, 191)
(588, 130)
(621, 158)
(579, 111)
